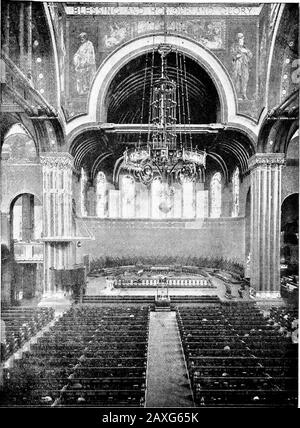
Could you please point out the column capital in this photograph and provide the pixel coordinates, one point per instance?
(265, 159)
(61, 160)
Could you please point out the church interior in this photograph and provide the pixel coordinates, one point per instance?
(149, 201)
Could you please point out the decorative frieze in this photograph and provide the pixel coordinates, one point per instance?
(266, 159)
(60, 160)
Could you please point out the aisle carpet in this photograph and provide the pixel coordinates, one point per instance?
(167, 381)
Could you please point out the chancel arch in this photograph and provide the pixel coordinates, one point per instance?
(97, 108)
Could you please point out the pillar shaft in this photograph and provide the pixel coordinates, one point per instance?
(57, 214)
(265, 222)
(27, 217)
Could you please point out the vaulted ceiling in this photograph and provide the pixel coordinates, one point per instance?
(129, 93)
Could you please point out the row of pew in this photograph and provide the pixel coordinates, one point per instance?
(285, 317)
(94, 356)
(21, 324)
(236, 358)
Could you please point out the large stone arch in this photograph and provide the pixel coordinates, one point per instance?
(205, 58)
(13, 196)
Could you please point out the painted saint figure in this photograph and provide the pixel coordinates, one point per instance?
(241, 58)
(85, 65)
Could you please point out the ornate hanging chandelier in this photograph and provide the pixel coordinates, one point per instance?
(167, 153)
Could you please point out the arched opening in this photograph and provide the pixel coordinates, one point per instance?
(101, 195)
(216, 195)
(156, 188)
(127, 188)
(289, 242)
(18, 145)
(236, 193)
(188, 195)
(83, 192)
(26, 250)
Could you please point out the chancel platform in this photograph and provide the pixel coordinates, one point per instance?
(134, 277)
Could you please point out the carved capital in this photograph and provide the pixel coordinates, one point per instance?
(266, 159)
(61, 160)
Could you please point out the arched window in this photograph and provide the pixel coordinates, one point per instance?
(101, 195)
(215, 195)
(156, 189)
(235, 192)
(128, 196)
(188, 195)
(83, 190)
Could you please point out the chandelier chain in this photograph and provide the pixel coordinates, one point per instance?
(143, 99)
(166, 156)
(187, 103)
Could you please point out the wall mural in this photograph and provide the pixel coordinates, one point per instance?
(84, 64)
(241, 64)
(117, 33)
(232, 35)
(210, 33)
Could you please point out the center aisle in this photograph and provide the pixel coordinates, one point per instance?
(167, 378)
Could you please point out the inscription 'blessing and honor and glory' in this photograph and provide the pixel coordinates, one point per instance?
(168, 10)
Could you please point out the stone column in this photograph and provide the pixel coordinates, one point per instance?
(27, 217)
(265, 223)
(57, 215)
